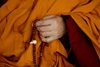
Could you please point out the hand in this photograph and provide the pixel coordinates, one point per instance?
(51, 27)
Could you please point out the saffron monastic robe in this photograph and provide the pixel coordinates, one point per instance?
(83, 53)
(16, 17)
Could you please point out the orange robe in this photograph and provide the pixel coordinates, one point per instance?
(16, 17)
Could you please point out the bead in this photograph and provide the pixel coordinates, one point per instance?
(33, 50)
(33, 37)
(34, 28)
(34, 61)
(33, 42)
(33, 32)
(41, 54)
(34, 65)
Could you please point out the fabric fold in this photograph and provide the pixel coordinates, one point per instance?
(16, 20)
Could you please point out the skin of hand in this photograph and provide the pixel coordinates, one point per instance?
(51, 27)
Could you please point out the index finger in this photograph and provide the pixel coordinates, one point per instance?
(45, 22)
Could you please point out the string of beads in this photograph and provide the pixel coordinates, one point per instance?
(34, 46)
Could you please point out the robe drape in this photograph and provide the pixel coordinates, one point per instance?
(16, 17)
(82, 47)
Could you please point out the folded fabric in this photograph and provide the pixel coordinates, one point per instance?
(17, 16)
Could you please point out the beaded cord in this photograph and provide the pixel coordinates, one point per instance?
(34, 46)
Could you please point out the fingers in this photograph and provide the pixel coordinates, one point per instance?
(45, 34)
(48, 39)
(39, 23)
(47, 20)
(44, 28)
(48, 36)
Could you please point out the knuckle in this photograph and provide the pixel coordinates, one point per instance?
(55, 25)
(54, 20)
(41, 33)
(57, 34)
(39, 28)
(37, 24)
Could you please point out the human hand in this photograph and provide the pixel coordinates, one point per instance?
(51, 27)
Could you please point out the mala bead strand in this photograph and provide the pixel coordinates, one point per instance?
(34, 42)
(34, 46)
(41, 53)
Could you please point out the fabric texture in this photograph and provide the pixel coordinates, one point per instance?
(81, 46)
(16, 17)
